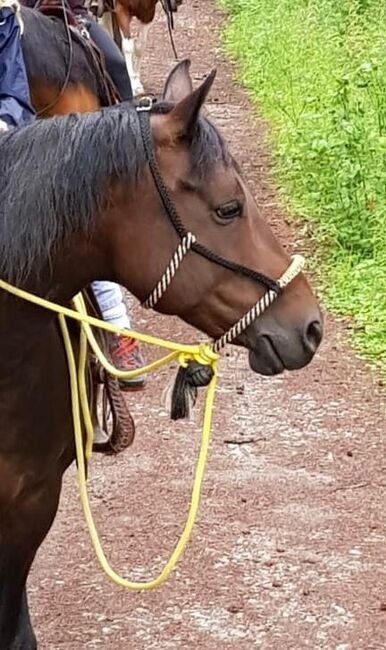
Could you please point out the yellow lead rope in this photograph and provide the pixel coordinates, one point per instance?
(81, 413)
(203, 354)
(76, 396)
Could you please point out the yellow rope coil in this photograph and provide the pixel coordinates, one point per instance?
(80, 406)
(81, 413)
(202, 353)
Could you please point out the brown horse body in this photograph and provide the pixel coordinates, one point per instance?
(87, 209)
(133, 48)
(64, 77)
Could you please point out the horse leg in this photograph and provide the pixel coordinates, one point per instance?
(24, 522)
(15, 626)
(132, 48)
(25, 638)
(140, 47)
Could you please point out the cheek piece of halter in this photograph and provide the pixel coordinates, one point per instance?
(194, 375)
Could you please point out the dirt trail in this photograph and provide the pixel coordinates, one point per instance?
(289, 551)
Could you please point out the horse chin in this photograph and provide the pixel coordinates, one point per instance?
(265, 360)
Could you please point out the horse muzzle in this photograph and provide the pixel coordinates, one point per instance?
(273, 349)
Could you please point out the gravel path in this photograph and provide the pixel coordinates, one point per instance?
(289, 550)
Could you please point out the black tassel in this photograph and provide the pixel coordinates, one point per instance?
(185, 387)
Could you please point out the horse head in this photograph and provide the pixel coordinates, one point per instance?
(212, 201)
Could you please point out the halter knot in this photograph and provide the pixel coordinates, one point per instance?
(206, 356)
(196, 370)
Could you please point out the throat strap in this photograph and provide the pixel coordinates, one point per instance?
(183, 247)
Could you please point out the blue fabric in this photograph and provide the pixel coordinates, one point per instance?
(15, 101)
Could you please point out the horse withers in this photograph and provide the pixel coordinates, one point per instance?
(88, 209)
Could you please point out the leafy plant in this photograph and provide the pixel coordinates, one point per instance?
(317, 70)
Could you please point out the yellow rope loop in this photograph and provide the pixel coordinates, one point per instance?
(204, 355)
(79, 407)
(184, 358)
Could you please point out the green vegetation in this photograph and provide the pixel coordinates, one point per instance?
(317, 70)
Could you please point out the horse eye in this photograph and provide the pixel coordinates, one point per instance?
(229, 211)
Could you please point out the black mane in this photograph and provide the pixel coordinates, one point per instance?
(54, 177)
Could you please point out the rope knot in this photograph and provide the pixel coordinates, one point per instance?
(206, 355)
(196, 371)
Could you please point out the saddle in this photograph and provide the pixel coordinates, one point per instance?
(58, 9)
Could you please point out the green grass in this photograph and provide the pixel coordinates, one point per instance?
(317, 70)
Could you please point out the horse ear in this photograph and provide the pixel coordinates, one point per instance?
(178, 85)
(184, 115)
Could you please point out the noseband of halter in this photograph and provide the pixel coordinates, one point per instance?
(188, 242)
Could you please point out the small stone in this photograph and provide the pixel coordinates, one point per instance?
(310, 558)
(382, 607)
(240, 390)
(235, 609)
(349, 453)
(306, 592)
(277, 583)
(280, 548)
(243, 500)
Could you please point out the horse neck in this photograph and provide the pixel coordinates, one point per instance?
(22, 324)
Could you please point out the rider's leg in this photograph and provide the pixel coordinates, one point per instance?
(125, 353)
(115, 62)
(15, 100)
(111, 303)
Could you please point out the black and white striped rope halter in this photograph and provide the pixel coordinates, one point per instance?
(199, 373)
(188, 242)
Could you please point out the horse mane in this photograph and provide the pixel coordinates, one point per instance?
(55, 175)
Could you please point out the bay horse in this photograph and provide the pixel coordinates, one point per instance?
(78, 202)
(63, 75)
(117, 16)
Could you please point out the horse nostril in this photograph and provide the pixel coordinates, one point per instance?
(313, 335)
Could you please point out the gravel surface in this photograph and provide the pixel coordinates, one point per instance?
(289, 549)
